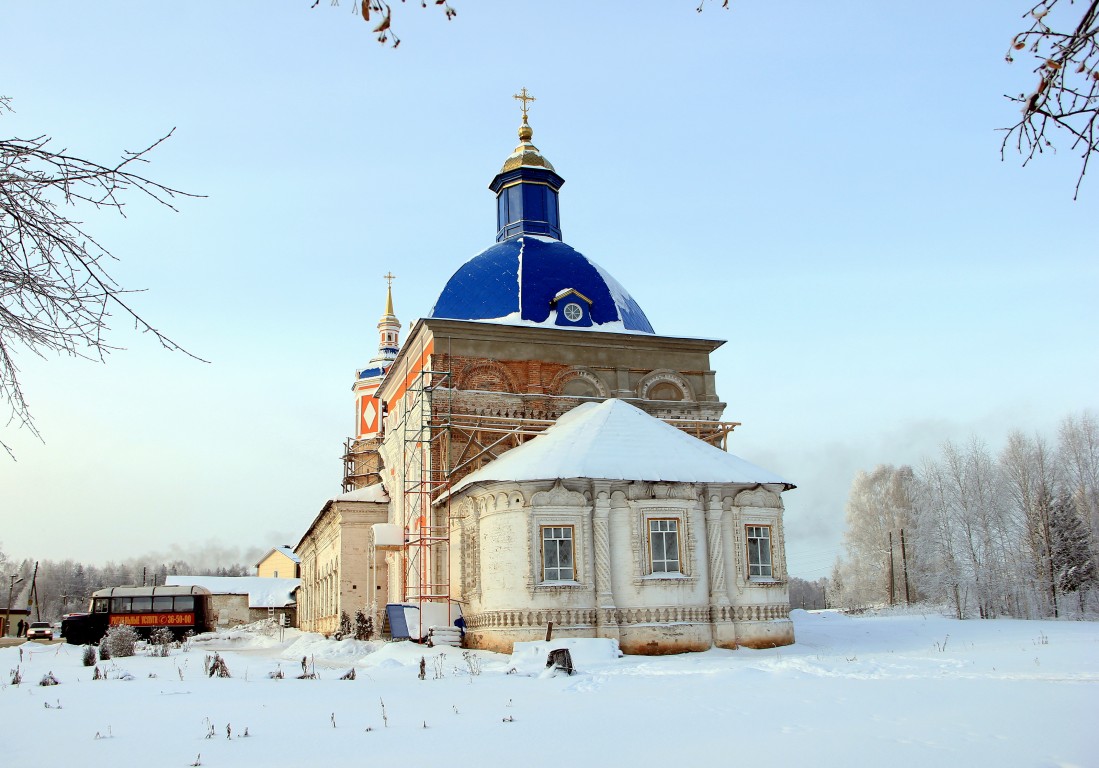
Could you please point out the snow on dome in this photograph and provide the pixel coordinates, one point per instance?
(519, 279)
(613, 440)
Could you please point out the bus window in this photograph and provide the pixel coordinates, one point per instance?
(99, 605)
(120, 604)
(162, 604)
(185, 603)
(142, 604)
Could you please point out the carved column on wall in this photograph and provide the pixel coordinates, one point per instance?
(779, 550)
(622, 382)
(605, 615)
(715, 549)
(474, 523)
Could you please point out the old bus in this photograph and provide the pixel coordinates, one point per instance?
(144, 608)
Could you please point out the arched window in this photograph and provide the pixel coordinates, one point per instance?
(665, 390)
(579, 387)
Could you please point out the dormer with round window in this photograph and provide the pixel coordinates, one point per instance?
(573, 309)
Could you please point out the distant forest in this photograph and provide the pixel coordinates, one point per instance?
(65, 586)
(809, 595)
(981, 533)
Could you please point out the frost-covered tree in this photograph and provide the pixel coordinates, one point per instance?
(940, 569)
(879, 506)
(1030, 481)
(1010, 534)
(1072, 556)
(974, 497)
(1078, 456)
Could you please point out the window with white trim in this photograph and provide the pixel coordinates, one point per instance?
(557, 554)
(663, 546)
(759, 551)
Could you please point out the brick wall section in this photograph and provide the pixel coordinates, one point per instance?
(518, 389)
(366, 463)
(527, 389)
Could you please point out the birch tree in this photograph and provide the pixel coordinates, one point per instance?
(1030, 483)
(878, 508)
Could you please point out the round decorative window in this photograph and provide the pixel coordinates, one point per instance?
(573, 312)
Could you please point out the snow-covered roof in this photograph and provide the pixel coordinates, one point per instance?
(371, 493)
(262, 592)
(614, 440)
(374, 492)
(285, 549)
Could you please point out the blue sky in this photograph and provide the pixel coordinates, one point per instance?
(819, 184)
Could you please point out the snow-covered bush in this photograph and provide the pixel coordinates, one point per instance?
(120, 640)
(89, 657)
(160, 642)
(49, 679)
(216, 666)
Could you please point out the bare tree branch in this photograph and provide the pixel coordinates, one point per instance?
(56, 293)
(1067, 94)
(379, 12)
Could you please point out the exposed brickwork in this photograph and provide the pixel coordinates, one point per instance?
(363, 464)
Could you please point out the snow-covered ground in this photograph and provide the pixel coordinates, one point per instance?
(913, 690)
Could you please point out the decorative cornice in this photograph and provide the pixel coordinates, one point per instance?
(758, 497)
(558, 496)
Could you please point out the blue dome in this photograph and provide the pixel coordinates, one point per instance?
(523, 280)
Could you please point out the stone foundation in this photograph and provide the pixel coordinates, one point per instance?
(662, 640)
(647, 639)
(765, 634)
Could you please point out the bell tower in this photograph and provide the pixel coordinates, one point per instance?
(368, 408)
(361, 461)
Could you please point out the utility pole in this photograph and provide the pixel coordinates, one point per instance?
(891, 568)
(904, 568)
(34, 595)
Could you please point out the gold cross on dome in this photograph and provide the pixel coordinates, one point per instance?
(524, 97)
(389, 277)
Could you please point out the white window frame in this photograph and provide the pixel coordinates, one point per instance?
(546, 568)
(759, 570)
(659, 527)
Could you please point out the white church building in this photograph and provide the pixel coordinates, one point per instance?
(535, 453)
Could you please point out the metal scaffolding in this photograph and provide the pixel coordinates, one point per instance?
(425, 561)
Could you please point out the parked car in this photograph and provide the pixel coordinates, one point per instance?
(40, 630)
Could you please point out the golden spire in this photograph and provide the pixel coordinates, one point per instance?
(389, 277)
(526, 154)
